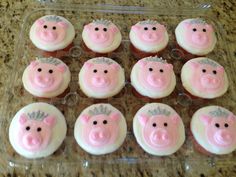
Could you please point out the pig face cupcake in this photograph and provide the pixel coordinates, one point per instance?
(100, 129)
(204, 78)
(37, 130)
(195, 36)
(46, 77)
(153, 77)
(149, 36)
(51, 33)
(158, 129)
(101, 78)
(213, 127)
(101, 36)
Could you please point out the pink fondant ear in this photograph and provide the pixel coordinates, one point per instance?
(114, 29)
(220, 69)
(143, 119)
(186, 25)
(88, 27)
(88, 64)
(161, 27)
(206, 119)
(50, 121)
(33, 64)
(135, 28)
(209, 28)
(169, 66)
(115, 66)
(61, 68)
(23, 118)
(115, 116)
(194, 65)
(85, 118)
(142, 63)
(232, 118)
(63, 24)
(39, 22)
(175, 119)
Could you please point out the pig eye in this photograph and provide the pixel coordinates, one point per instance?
(95, 70)
(96, 29)
(95, 122)
(226, 125)
(104, 29)
(50, 71)
(146, 28)
(214, 71)
(105, 71)
(204, 30)
(27, 128)
(154, 28)
(165, 124)
(39, 129)
(194, 29)
(154, 124)
(54, 28)
(39, 69)
(45, 26)
(161, 70)
(150, 69)
(105, 122)
(203, 70)
(217, 125)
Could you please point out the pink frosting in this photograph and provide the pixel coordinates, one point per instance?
(198, 35)
(101, 77)
(207, 78)
(149, 34)
(100, 34)
(155, 76)
(100, 130)
(34, 135)
(46, 77)
(160, 132)
(220, 131)
(50, 32)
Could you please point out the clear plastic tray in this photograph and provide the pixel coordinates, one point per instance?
(130, 153)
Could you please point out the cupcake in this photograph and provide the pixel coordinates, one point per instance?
(37, 130)
(46, 77)
(195, 36)
(148, 38)
(158, 129)
(100, 129)
(204, 78)
(101, 36)
(213, 127)
(51, 33)
(101, 78)
(153, 77)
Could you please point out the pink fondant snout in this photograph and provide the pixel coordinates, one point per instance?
(99, 81)
(99, 37)
(160, 137)
(209, 81)
(199, 38)
(99, 136)
(223, 138)
(155, 81)
(48, 35)
(32, 141)
(44, 81)
(150, 36)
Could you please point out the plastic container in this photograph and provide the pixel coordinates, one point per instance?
(70, 154)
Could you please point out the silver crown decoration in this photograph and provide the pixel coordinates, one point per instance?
(100, 60)
(198, 21)
(53, 18)
(148, 22)
(102, 22)
(37, 115)
(159, 111)
(155, 59)
(208, 62)
(50, 60)
(219, 113)
(100, 110)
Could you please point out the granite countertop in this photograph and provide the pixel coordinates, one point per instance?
(10, 23)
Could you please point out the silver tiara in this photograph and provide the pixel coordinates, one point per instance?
(102, 22)
(197, 21)
(50, 60)
(148, 22)
(101, 109)
(219, 113)
(53, 18)
(159, 111)
(37, 115)
(155, 59)
(208, 62)
(105, 60)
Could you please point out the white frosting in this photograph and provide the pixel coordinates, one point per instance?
(58, 131)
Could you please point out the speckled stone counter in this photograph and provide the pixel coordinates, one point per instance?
(10, 24)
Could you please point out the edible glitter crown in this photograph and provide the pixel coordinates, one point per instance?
(219, 113)
(198, 21)
(53, 18)
(101, 109)
(50, 60)
(208, 62)
(102, 22)
(100, 60)
(155, 59)
(37, 115)
(148, 22)
(159, 111)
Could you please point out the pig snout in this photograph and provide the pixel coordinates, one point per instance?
(44, 81)
(100, 81)
(210, 81)
(199, 39)
(48, 35)
(160, 138)
(99, 136)
(32, 141)
(100, 37)
(155, 81)
(223, 138)
(150, 36)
